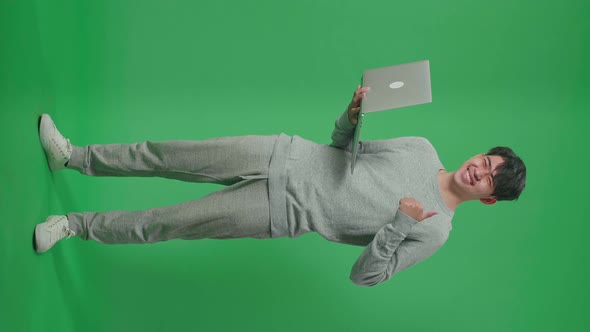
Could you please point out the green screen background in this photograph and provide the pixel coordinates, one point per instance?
(509, 73)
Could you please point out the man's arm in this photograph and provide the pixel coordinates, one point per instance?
(390, 251)
(344, 127)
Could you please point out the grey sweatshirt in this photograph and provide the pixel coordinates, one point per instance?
(312, 189)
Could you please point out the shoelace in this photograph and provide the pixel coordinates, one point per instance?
(68, 150)
(56, 234)
(68, 144)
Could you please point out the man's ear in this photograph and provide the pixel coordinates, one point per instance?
(489, 200)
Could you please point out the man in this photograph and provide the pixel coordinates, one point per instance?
(399, 203)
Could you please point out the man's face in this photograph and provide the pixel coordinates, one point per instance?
(475, 179)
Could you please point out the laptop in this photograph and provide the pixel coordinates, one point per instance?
(392, 87)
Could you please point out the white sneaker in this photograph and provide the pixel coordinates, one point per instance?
(52, 230)
(57, 148)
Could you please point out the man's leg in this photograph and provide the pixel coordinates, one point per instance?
(218, 160)
(238, 211)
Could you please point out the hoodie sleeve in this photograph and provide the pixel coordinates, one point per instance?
(391, 252)
(343, 132)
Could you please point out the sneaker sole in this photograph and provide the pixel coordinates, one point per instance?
(34, 242)
(35, 239)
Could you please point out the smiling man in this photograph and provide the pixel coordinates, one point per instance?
(398, 204)
(477, 177)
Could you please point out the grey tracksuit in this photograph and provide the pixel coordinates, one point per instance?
(282, 186)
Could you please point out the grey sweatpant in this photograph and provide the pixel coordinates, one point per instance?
(239, 210)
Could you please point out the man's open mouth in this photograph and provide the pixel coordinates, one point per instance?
(469, 177)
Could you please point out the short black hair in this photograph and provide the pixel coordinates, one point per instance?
(511, 174)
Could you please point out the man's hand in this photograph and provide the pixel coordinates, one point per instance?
(354, 107)
(414, 209)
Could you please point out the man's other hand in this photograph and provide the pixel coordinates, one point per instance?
(414, 209)
(354, 107)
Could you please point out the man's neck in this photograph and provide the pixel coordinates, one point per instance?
(445, 186)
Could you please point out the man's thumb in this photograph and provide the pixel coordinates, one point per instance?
(429, 214)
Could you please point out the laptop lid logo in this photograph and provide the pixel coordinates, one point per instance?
(396, 85)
